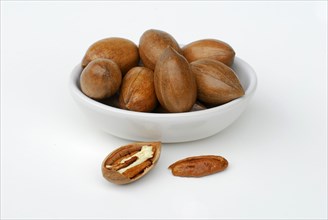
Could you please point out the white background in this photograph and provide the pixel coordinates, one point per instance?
(51, 155)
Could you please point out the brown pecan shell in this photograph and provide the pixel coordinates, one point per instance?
(110, 164)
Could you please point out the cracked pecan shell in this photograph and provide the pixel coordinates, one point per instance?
(130, 162)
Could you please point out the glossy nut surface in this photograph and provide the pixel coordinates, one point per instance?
(100, 79)
(175, 84)
(122, 51)
(209, 48)
(137, 91)
(152, 44)
(216, 82)
(199, 166)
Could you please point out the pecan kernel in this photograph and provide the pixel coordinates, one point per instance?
(198, 166)
(129, 163)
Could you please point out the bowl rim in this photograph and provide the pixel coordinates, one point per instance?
(95, 104)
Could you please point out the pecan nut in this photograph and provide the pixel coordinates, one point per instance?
(199, 166)
(130, 162)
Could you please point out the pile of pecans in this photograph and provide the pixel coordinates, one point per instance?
(159, 76)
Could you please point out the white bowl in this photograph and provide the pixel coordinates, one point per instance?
(166, 127)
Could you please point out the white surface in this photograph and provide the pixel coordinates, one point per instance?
(51, 156)
(167, 128)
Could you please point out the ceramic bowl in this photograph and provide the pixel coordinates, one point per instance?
(165, 127)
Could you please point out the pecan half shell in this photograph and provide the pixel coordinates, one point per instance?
(130, 162)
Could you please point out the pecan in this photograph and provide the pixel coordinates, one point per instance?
(131, 162)
(199, 166)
